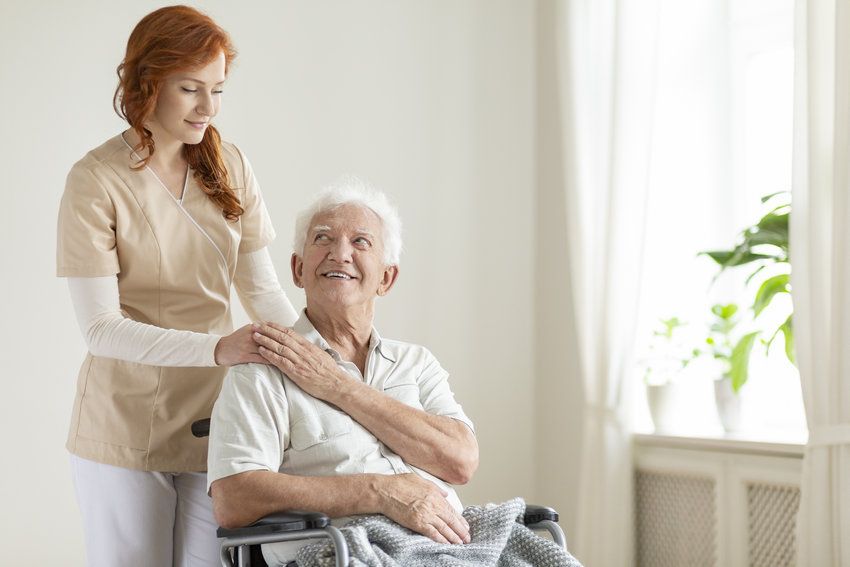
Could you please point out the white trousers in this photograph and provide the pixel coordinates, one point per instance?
(144, 518)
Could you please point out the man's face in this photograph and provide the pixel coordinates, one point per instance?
(343, 259)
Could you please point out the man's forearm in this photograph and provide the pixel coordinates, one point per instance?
(443, 446)
(411, 501)
(440, 445)
(244, 498)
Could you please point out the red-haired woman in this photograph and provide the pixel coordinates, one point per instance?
(155, 225)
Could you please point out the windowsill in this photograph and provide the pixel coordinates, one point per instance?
(758, 443)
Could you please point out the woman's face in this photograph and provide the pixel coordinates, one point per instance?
(187, 103)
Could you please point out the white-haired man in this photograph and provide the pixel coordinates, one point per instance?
(341, 421)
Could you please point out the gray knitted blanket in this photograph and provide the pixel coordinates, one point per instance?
(498, 540)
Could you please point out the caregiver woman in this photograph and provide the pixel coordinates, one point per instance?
(154, 227)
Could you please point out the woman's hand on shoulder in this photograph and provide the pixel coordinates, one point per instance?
(237, 348)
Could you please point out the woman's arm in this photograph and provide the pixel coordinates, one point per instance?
(259, 289)
(109, 333)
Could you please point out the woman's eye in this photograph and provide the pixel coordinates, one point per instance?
(217, 92)
(185, 90)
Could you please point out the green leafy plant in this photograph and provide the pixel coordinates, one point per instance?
(734, 355)
(762, 247)
(669, 353)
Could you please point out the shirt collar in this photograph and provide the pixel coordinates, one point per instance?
(304, 327)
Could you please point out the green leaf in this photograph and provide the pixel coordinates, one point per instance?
(783, 209)
(768, 289)
(670, 325)
(731, 258)
(725, 312)
(754, 274)
(772, 229)
(788, 330)
(776, 220)
(740, 360)
(767, 198)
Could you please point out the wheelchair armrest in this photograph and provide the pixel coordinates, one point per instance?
(201, 428)
(535, 514)
(278, 522)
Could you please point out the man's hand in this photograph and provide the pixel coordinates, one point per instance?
(311, 368)
(421, 506)
(438, 444)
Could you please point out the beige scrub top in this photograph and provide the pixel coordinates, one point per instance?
(175, 261)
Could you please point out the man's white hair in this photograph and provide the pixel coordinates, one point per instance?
(353, 191)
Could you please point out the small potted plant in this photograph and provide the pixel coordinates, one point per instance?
(668, 357)
(733, 358)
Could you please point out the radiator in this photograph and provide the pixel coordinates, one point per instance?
(771, 511)
(708, 508)
(676, 520)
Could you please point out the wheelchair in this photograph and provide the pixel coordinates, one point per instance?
(240, 547)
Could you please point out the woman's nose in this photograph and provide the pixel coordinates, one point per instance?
(205, 105)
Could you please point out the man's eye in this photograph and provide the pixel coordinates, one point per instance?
(320, 238)
(362, 241)
(217, 92)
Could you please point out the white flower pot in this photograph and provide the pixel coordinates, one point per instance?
(728, 405)
(662, 399)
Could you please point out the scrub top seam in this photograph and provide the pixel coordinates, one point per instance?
(179, 204)
(153, 413)
(153, 234)
(79, 408)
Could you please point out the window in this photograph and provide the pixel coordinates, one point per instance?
(722, 139)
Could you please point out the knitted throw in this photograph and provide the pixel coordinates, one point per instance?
(498, 540)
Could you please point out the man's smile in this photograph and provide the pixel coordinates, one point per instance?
(337, 275)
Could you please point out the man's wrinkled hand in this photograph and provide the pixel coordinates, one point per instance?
(304, 363)
(421, 506)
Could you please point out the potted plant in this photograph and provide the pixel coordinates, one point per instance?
(762, 247)
(733, 358)
(668, 357)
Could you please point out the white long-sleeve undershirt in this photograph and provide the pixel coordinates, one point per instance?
(109, 333)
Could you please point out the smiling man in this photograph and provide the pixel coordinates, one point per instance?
(341, 421)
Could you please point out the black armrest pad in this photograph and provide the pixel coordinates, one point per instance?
(201, 428)
(534, 514)
(291, 521)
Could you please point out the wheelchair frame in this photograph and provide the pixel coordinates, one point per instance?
(294, 526)
(237, 543)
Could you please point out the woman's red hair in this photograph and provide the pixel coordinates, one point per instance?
(167, 41)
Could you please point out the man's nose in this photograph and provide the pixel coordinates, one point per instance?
(341, 250)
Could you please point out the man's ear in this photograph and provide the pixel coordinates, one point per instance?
(296, 264)
(387, 280)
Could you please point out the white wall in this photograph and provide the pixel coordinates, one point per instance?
(434, 101)
(559, 390)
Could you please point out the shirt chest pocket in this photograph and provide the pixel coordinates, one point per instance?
(407, 393)
(315, 427)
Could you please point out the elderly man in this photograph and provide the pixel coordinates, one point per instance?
(341, 421)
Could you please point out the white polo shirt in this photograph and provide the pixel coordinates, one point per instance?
(264, 421)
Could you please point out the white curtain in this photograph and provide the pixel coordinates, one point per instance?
(606, 84)
(820, 255)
